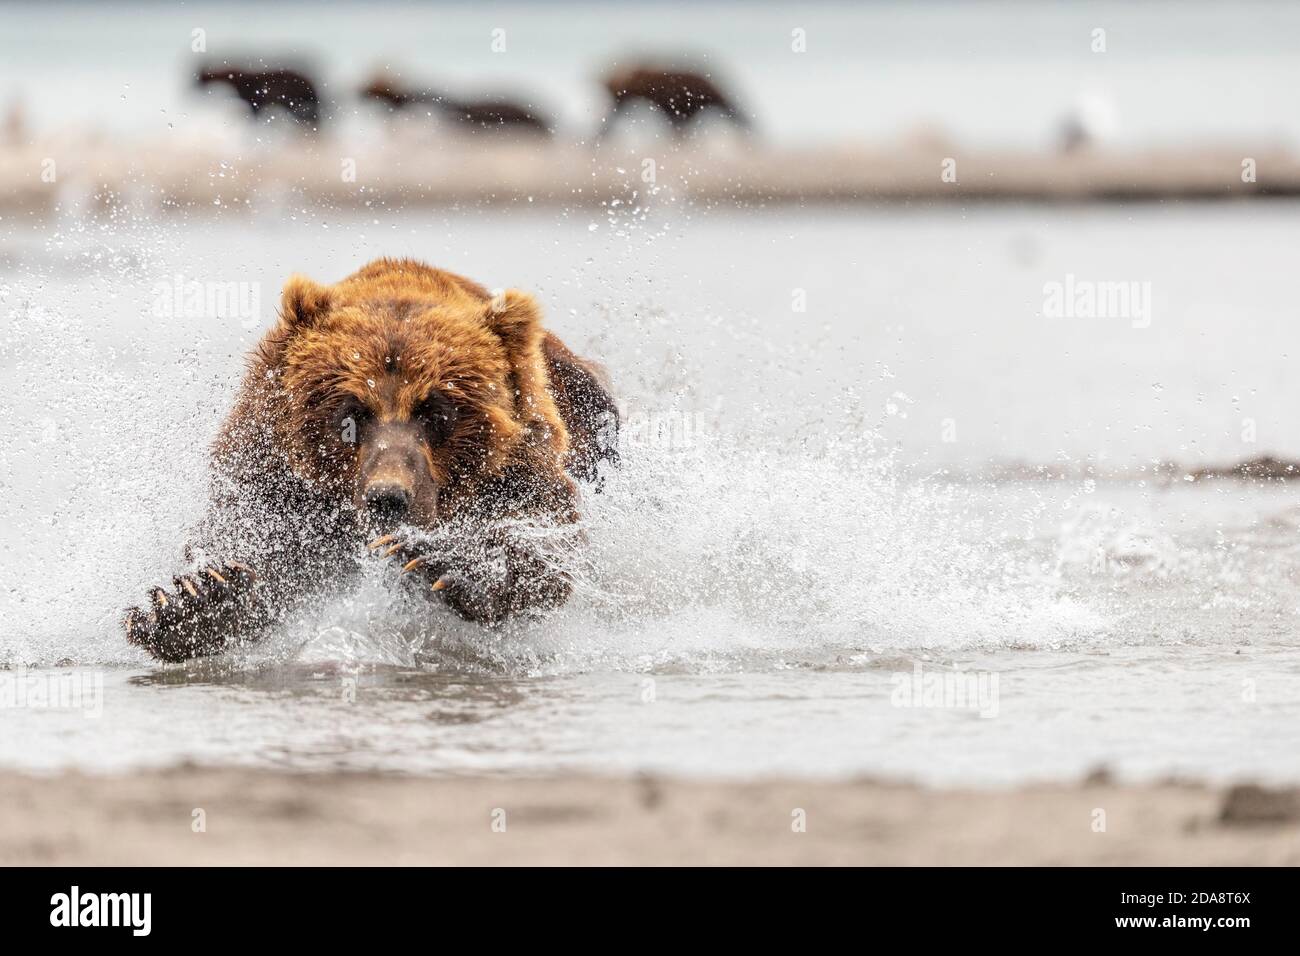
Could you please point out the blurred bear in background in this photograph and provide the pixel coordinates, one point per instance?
(681, 95)
(487, 114)
(288, 89)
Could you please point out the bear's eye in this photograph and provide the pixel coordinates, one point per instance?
(438, 416)
(351, 411)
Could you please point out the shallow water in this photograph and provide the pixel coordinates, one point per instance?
(811, 502)
(1142, 712)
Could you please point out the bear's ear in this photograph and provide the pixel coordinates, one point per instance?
(516, 319)
(303, 301)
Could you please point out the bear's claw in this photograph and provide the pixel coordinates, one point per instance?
(477, 591)
(409, 550)
(196, 618)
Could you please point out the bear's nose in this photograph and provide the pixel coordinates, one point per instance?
(387, 500)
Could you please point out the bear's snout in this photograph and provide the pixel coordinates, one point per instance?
(393, 481)
(388, 501)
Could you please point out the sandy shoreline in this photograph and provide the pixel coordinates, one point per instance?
(254, 817)
(221, 176)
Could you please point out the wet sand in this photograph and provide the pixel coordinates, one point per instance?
(253, 817)
(225, 175)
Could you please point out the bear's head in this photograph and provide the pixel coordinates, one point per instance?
(401, 385)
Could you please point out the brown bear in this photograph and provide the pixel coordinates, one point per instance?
(493, 115)
(262, 89)
(680, 95)
(405, 407)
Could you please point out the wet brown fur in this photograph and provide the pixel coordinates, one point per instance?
(458, 396)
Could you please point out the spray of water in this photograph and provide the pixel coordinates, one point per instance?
(743, 536)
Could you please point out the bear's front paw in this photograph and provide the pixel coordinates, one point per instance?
(198, 617)
(417, 557)
(467, 586)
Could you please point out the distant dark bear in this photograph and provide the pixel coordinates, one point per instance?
(405, 405)
(681, 95)
(263, 89)
(490, 114)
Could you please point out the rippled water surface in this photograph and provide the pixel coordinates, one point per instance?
(823, 410)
